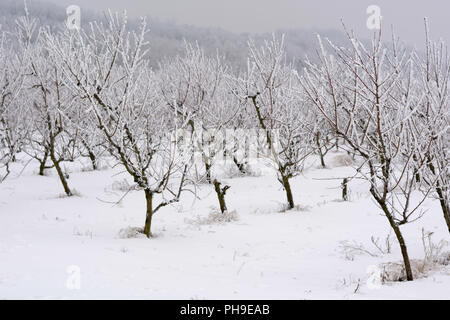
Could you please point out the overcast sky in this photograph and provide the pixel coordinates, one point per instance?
(268, 15)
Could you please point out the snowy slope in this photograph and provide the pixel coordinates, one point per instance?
(265, 254)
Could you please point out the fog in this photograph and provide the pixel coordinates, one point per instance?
(258, 16)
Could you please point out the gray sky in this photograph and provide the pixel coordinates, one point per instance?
(268, 15)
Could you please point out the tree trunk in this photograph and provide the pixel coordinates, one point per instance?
(239, 165)
(208, 172)
(444, 206)
(8, 139)
(91, 155)
(400, 239)
(62, 177)
(13, 155)
(42, 163)
(149, 213)
(322, 160)
(8, 171)
(345, 189)
(287, 187)
(221, 195)
(93, 160)
(417, 175)
(319, 148)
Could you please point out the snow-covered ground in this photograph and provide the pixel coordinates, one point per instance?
(265, 254)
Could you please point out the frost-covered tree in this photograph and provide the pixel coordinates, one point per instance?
(106, 68)
(369, 98)
(433, 122)
(278, 109)
(89, 141)
(324, 139)
(194, 85)
(49, 101)
(13, 121)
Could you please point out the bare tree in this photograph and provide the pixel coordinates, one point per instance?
(194, 85)
(13, 123)
(369, 98)
(88, 140)
(433, 121)
(323, 138)
(106, 67)
(278, 109)
(50, 100)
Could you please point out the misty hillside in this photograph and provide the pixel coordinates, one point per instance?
(167, 38)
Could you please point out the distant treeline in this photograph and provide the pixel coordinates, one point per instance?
(167, 38)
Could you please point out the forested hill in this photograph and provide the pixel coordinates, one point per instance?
(167, 38)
